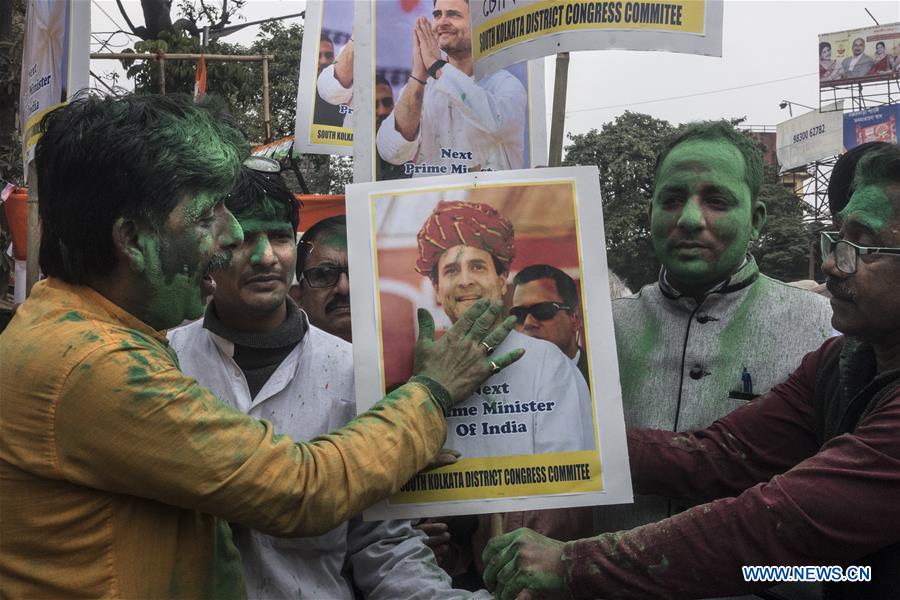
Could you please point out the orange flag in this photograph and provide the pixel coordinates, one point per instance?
(200, 80)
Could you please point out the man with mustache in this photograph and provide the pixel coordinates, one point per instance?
(119, 473)
(323, 284)
(685, 342)
(256, 350)
(444, 117)
(807, 474)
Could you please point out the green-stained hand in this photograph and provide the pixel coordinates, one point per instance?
(524, 564)
(458, 361)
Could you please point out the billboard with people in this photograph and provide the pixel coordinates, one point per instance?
(859, 55)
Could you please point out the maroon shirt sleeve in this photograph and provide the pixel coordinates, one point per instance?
(825, 507)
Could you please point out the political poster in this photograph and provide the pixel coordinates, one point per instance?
(810, 137)
(505, 32)
(324, 122)
(859, 55)
(429, 115)
(55, 62)
(878, 124)
(547, 431)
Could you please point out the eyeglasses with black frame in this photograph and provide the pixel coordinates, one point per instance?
(846, 254)
(323, 277)
(542, 311)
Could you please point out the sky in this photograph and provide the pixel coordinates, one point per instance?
(769, 55)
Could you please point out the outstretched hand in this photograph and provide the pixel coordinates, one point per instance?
(459, 361)
(524, 565)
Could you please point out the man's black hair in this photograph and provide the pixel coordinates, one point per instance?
(331, 225)
(380, 80)
(880, 166)
(253, 187)
(840, 184)
(102, 158)
(719, 130)
(565, 285)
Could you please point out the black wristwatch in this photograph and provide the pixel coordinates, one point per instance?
(433, 69)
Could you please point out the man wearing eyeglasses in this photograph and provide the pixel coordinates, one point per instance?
(257, 352)
(807, 474)
(323, 284)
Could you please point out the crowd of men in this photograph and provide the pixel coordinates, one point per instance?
(763, 420)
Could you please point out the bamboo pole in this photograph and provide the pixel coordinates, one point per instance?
(156, 56)
(496, 525)
(558, 118)
(267, 126)
(162, 75)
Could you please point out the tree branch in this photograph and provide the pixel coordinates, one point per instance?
(138, 31)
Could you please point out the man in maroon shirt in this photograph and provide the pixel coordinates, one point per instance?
(806, 475)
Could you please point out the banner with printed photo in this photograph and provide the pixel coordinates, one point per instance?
(445, 122)
(55, 62)
(877, 124)
(810, 137)
(506, 32)
(324, 112)
(547, 431)
(859, 55)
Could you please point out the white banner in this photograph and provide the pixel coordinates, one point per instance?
(505, 32)
(537, 434)
(810, 137)
(55, 62)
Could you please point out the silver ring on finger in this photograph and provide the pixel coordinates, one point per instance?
(487, 348)
(495, 368)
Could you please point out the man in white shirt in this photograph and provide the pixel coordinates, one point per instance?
(446, 122)
(257, 351)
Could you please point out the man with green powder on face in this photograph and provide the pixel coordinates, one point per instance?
(713, 333)
(262, 355)
(808, 474)
(118, 472)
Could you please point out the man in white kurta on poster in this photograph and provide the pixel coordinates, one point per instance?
(537, 406)
(445, 122)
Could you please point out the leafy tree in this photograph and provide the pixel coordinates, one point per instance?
(782, 251)
(12, 34)
(625, 152)
(239, 84)
(194, 17)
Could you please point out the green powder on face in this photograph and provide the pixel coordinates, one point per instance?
(871, 207)
(714, 206)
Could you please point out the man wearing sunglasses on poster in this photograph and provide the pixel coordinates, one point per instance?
(546, 306)
(805, 476)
